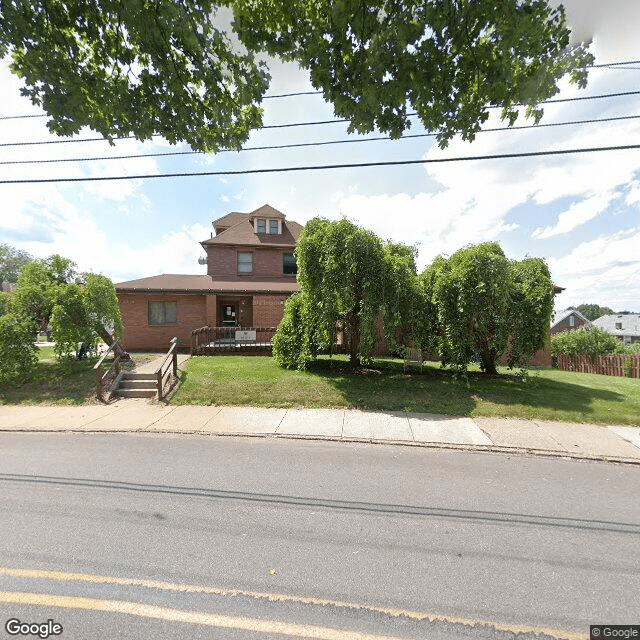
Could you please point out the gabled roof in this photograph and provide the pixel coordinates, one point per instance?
(559, 316)
(243, 234)
(266, 211)
(182, 283)
(630, 324)
(229, 220)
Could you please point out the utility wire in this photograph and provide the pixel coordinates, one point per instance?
(387, 163)
(318, 122)
(316, 144)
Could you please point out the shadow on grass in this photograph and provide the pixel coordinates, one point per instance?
(72, 382)
(385, 386)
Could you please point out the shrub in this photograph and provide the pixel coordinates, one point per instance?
(590, 342)
(18, 354)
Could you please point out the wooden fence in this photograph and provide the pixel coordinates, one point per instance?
(232, 341)
(619, 365)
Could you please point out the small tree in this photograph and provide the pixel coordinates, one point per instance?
(531, 307)
(340, 270)
(18, 354)
(488, 305)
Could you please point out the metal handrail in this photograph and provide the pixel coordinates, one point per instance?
(172, 353)
(100, 377)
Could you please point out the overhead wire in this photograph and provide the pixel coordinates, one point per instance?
(314, 123)
(316, 143)
(353, 165)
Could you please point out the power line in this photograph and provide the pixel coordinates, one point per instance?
(318, 143)
(318, 122)
(387, 163)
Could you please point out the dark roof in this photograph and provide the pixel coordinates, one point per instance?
(266, 211)
(243, 234)
(179, 283)
(230, 219)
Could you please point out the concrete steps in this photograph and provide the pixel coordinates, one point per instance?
(137, 385)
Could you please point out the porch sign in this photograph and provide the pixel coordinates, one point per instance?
(245, 336)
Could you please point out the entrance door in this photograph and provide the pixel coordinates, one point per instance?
(228, 314)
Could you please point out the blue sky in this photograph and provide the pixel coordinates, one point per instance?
(580, 212)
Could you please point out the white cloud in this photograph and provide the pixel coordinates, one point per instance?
(605, 270)
(577, 214)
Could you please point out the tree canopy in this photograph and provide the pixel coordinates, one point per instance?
(168, 68)
(593, 311)
(12, 261)
(77, 307)
(488, 306)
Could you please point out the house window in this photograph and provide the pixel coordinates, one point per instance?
(245, 262)
(262, 226)
(619, 325)
(273, 226)
(572, 321)
(289, 266)
(163, 313)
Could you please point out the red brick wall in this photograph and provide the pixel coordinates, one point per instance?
(268, 310)
(140, 335)
(565, 326)
(267, 263)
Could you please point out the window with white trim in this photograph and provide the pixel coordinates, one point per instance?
(273, 227)
(262, 226)
(245, 262)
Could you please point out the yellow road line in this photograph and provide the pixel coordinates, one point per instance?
(59, 576)
(191, 617)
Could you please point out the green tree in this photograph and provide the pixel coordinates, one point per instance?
(340, 270)
(12, 261)
(77, 307)
(349, 279)
(488, 305)
(18, 353)
(531, 308)
(5, 301)
(171, 68)
(593, 311)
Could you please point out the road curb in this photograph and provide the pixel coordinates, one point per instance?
(472, 448)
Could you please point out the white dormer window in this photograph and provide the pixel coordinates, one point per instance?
(272, 227)
(572, 321)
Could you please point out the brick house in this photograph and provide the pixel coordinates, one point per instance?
(567, 320)
(251, 271)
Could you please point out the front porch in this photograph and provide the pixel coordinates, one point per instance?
(232, 341)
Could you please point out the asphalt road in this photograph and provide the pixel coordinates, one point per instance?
(140, 536)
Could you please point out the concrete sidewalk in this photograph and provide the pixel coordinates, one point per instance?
(616, 443)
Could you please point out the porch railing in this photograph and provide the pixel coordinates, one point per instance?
(232, 340)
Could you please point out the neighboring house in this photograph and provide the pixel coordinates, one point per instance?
(624, 326)
(251, 271)
(567, 320)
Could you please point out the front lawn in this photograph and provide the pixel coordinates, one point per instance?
(548, 394)
(70, 383)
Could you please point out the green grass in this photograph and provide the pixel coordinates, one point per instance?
(71, 382)
(548, 394)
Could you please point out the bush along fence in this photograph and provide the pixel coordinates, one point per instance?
(618, 365)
